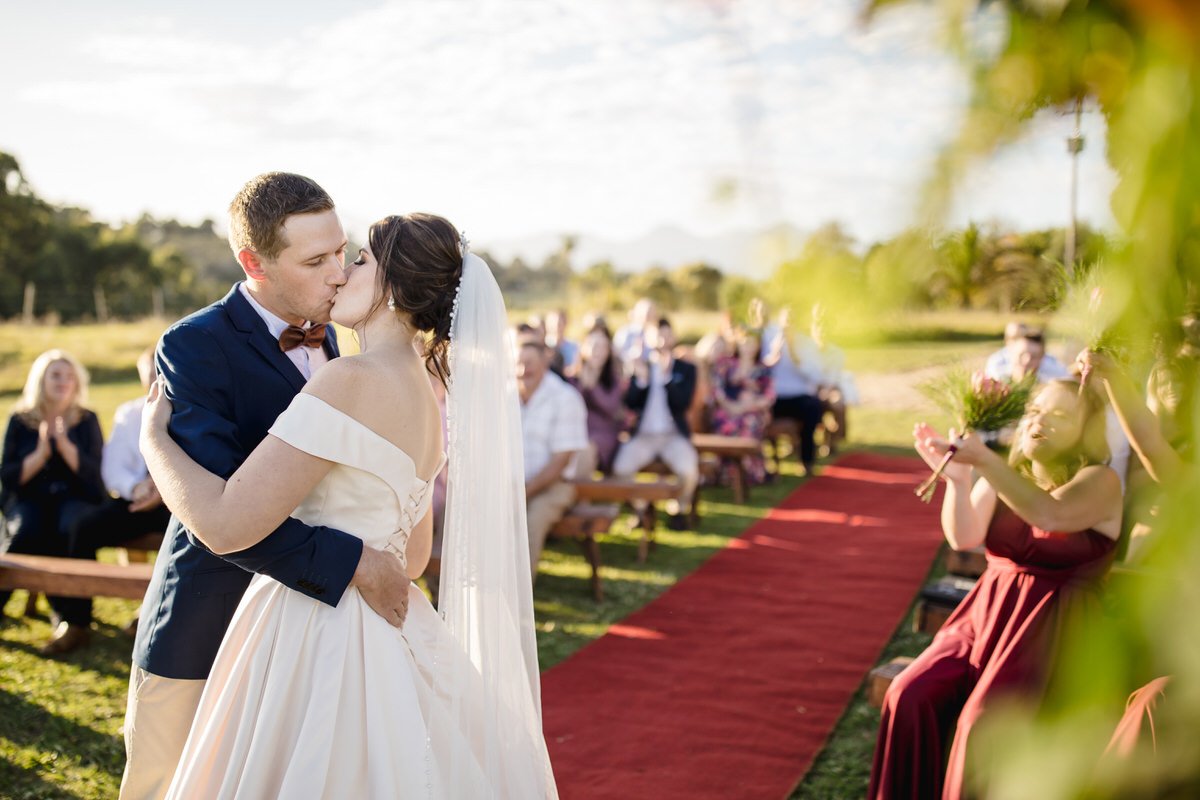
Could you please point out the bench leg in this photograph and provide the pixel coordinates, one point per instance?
(591, 551)
(741, 486)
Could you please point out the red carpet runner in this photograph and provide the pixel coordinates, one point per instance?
(727, 685)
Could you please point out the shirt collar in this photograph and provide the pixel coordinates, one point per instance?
(275, 325)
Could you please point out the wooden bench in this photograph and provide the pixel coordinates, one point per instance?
(966, 563)
(880, 678)
(778, 431)
(732, 449)
(938, 601)
(138, 550)
(583, 523)
(620, 490)
(74, 577)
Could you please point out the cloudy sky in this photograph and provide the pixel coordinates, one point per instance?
(512, 117)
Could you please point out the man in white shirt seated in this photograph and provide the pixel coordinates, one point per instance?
(797, 380)
(661, 392)
(1023, 345)
(554, 431)
(137, 508)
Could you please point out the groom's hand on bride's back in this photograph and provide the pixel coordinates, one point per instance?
(382, 580)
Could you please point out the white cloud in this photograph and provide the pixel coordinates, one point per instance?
(512, 117)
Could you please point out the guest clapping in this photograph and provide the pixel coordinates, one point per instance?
(50, 475)
(602, 385)
(1050, 519)
(661, 393)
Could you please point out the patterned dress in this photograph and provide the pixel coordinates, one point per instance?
(732, 383)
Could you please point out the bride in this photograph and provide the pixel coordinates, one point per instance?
(424, 706)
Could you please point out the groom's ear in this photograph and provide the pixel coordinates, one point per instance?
(251, 264)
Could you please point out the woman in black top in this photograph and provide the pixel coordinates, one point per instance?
(50, 474)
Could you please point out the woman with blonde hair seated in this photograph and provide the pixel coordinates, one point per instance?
(50, 475)
(1049, 517)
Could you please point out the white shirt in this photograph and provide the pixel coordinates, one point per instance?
(121, 464)
(553, 421)
(306, 359)
(791, 379)
(626, 341)
(656, 416)
(999, 367)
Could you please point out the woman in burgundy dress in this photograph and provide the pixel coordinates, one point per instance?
(1050, 519)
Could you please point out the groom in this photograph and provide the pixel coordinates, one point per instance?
(229, 371)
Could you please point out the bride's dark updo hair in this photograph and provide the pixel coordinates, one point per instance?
(420, 264)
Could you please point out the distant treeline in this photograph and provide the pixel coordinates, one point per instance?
(60, 264)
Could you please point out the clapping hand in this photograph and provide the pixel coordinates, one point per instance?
(145, 496)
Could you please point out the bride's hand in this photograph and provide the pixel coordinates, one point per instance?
(155, 415)
(932, 448)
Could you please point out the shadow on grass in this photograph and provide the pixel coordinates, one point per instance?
(27, 724)
(27, 783)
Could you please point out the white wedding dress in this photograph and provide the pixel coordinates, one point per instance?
(306, 700)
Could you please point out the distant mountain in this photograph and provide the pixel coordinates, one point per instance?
(751, 253)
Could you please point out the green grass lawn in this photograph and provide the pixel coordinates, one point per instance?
(60, 719)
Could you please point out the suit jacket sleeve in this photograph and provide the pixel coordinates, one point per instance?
(635, 395)
(316, 561)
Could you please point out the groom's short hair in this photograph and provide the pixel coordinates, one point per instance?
(257, 213)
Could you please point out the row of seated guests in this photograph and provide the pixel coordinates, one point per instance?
(64, 492)
(570, 427)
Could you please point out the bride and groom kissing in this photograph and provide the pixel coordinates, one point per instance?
(282, 648)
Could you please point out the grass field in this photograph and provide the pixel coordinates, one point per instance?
(60, 719)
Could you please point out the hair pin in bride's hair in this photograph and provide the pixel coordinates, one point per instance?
(464, 242)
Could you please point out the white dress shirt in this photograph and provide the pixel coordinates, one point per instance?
(553, 420)
(306, 359)
(656, 416)
(791, 379)
(121, 464)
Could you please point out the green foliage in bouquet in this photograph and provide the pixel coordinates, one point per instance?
(978, 403)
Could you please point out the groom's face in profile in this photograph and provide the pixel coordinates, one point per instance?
(300, 283)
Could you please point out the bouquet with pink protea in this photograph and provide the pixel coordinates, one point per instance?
(977, 403)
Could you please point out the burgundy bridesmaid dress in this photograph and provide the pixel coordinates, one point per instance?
(1000, 641)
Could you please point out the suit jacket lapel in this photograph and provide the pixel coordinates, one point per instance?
(247, 320)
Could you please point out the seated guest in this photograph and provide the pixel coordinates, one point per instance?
(630, 340)
(137, 508)
(743, 395)
(601, 383)
(554, 430)
(50, 475)
(1023, 343)
(565, 359)
(712, 349)
(797, 386)
(660, 392)
(1050, 518)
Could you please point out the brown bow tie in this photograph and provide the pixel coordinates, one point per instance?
(294, 336)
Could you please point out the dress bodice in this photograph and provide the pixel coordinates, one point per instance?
(373, 490)
(1011, 541)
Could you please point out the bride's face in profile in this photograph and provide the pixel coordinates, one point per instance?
(358, 298)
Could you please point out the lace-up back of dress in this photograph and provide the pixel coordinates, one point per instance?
(382, 511)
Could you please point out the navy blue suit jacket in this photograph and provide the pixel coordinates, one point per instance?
(228, 380)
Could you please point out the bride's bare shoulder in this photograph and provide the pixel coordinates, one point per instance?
(370, 391)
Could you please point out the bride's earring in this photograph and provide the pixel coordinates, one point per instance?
(391, 304)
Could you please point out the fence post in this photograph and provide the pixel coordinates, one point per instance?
(27, 309)
(101, 305)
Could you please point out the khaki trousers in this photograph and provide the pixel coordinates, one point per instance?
(158, 716)
(676, 451)
(542, 511)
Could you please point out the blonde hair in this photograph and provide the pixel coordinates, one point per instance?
(1092, 447)
(32, 405)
